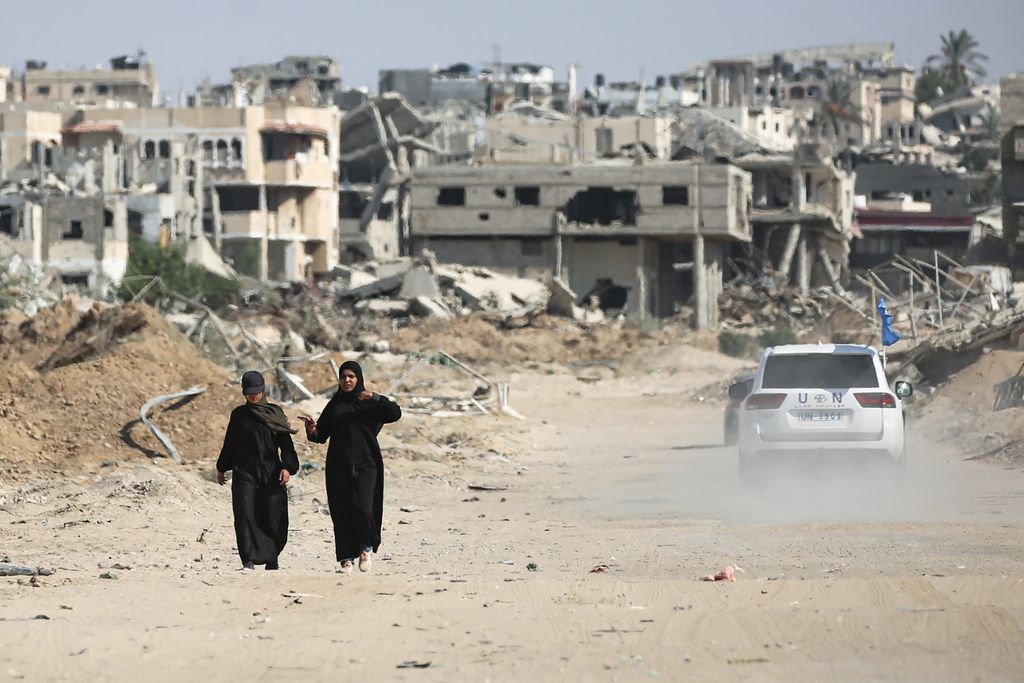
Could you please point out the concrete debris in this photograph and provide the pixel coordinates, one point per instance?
(429, 308)
(419, 282)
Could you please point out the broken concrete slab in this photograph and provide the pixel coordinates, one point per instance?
(384, 306)
(429, 308)
(383, 286)
(482, 289)
(419, 282)
(562, 300)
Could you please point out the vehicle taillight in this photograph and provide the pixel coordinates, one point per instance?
(876, 399)
(765, 401)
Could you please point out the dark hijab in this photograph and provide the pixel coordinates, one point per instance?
(359, 388)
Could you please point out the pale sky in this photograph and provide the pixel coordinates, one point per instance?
(191, 39)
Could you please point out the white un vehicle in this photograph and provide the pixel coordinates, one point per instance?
(821, 403)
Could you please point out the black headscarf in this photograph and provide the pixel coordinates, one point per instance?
(359, 388)
(270, 415)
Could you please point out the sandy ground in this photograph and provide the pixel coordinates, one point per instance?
(846, 579)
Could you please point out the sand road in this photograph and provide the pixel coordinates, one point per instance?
(845, 579)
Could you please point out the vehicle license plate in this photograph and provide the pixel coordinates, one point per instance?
(820, 416)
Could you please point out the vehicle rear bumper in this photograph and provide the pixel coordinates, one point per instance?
(820, 451)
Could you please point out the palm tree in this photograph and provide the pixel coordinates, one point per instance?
(960, 62)
(837, 106)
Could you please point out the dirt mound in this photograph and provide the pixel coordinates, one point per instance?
(962, 412)
(842, 326)
(72, 385)
(548, 339)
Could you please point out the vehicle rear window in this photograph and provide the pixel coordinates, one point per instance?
(819, 370)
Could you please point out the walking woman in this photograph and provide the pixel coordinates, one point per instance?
(355, 469)
(258, 449)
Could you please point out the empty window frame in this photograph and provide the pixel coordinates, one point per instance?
(74, 231)
(527, 195)
(451, 196)
(675, 195)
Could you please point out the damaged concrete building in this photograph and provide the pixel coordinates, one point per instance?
(1012, 156)
(129, 82)
(643, 238)
(526, 134)
(802, 216)
(299, 79)
(269, 172)
(381, 140)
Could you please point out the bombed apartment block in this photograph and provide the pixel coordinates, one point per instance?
(381, 141)
(129, 82)
(30, 142)
(635, 238)
(802, 217)
(310, 80)
(85, 239)
(262, 181)
(526, 134)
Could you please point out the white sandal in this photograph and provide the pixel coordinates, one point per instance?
(346, 567)
(364, 561)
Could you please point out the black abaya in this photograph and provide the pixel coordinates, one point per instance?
(355, 468)
(256, 454)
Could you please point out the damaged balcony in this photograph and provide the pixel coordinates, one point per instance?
(296, 154)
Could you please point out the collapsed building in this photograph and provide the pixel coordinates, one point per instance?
(382, 139)
(1012, 156)
(643, 238)
(301, 79)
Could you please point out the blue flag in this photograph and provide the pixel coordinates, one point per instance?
(889, 335)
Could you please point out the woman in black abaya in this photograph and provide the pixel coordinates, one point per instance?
(258, 450)
(351, 421)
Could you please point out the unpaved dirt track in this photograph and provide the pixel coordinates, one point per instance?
(845, 580)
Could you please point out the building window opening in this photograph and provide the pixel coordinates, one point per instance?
(7, 220)
(676, 195)
(74, 231)
(102, 89)
(43, 90)
(451, 196)
(385, 211)
(78, 90)
(350, 204)
(484, 216)
(609, 296)
(528, 196)
(239, 198)
(108, 218)
(222, 153)
(207, 151)
(236, 151)
(500, 192)
(149, 150)
(603, 206)
(165, 149)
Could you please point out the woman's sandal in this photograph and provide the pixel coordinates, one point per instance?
(346, 567)
(364, 561)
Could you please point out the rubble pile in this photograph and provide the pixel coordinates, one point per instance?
(23, 284)
(758, 303)
(73, 382)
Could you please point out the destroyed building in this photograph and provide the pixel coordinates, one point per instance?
(802, 217)
(309, 80)
(492, 88)
(381, 140)
(642, 238)
(129, 82)
(1012, 156)
(527, 134)
(29, 142)
(270, 175)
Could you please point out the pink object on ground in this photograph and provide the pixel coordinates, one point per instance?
(727, 574)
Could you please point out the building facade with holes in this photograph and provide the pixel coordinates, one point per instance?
(644, 239)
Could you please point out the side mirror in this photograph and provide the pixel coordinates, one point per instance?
(904, 389)
(739, 390)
